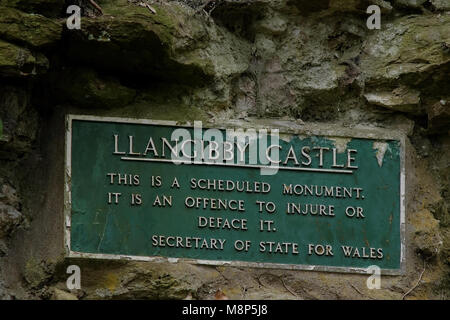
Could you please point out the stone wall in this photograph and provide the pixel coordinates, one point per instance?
(299, 61)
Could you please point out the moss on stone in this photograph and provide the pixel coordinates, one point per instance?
(410, 45)
(36, 272)
(85, 88)
(18, 61)
(169, 44)
(28, 29)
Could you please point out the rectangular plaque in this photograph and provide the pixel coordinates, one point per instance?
(156, 191)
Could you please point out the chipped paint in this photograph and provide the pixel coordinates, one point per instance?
(381, 148)
(286, 137)
(340, 143)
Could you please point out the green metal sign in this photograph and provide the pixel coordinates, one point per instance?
(152, 190)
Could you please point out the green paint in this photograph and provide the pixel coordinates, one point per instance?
(99, 227)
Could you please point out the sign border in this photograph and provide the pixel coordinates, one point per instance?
(284, 126)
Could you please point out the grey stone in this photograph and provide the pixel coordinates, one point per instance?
(59, 294)
(410, 3)
(8, 195)
(441, 4)
(10, 218)
(439, 116)
(400, 99)
(255, 63)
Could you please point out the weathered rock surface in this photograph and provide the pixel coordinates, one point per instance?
(59, 294)
(86, 88)
(410, 3)
(20, 123)
(9, 219)
(427, 237)
(400, 99)
(439, 115)
(8, 195)
(305, 61)
(31, 30)
(170, 44)
(16, 61)
(441, 4)
(408, 49)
